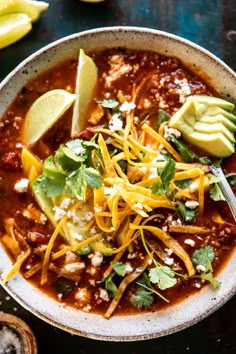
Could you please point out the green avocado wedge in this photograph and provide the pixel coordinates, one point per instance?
(208, 123)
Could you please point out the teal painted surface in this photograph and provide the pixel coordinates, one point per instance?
(196, 20)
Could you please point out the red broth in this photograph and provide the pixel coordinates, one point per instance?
(159, 84)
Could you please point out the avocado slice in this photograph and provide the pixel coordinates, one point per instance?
(212, 101)
(209, 119)
(207, 128)
(219, 118)
(215, 144)
(70, 231)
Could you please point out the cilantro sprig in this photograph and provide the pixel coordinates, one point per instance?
(215, 190)
(202, 259)
(166, 175)
(143, 297)
(161, 275)
(71, 170)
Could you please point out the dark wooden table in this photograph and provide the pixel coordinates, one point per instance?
(210, 23)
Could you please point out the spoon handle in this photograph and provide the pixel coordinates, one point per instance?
(225, 188)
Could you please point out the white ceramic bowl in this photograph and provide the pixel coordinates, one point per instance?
(138, 327)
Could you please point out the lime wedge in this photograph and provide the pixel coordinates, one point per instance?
(31, 8)
(44, 112)
(86, 82)
(13, 27)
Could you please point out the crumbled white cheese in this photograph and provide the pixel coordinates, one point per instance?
(189, 242)
(103, 294)
(96, 259)
(164, 228)
(22, 185)
(169, 261)
(70, 257)
(128, 268)
(77, 236)
(200, 268)
(83, 295)
(169, 251)
(191, 204)
(171, 131)
(115, 124)
(127, 106)
(88, 217)
(65, 203)
(74, 267)
(58, 213)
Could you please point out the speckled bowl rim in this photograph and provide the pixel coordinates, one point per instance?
(143, 326)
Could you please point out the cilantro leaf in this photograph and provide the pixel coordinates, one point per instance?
(142, 298)
(161, 118)
(92, 177)
(168, 172)
(209, 277)
(186, 154)
(204, 160)
(53, 187)
(231, 178)
(76, 184)
(215, 190)
(64, 163)
(110, 286)
(157, 188)
(184, 183)
(163, 276)
(203, 256)
(186, 213)
(212, 178)
(216, 193)
(110, 103)
(119, 268)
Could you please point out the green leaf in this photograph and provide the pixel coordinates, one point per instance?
(110, 103)
(157, 188)
(163, 276)
(53, 187)
(204, 160)
(212, 178)
(142, 298)
(63, 287)
(209, 277)
(231, 178)
(76, 184)
(110, 285)
(92, 177)
(186, 154)
(184, 183)
(161, 118)
(119, 268)
(186, 213)
(216, 193)
(63, 162)
(168, 172)
(203, 256)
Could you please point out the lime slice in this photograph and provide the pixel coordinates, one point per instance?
(44, 112)
(86, 82)
(13, 27)
(29, 7)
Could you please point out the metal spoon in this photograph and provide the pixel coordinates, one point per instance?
(225, 188)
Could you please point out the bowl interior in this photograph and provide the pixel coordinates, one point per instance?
(121, 328)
